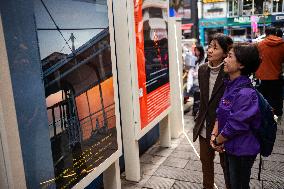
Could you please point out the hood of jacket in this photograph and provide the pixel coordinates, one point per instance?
(272, 41)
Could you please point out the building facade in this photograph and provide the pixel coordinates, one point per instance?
(243, 20)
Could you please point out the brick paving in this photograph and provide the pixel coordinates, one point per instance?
(178, 167)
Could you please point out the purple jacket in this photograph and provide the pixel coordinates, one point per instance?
(237, 114)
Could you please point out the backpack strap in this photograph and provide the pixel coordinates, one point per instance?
(259, 167)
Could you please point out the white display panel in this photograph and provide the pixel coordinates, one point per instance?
(133, 23)
(77, 48)
(150, 41)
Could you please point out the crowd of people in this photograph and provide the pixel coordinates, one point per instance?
(228, 110)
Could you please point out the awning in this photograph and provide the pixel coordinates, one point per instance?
(186, 26)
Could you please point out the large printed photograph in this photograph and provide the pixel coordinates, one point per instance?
(155, 31)
(74, 45)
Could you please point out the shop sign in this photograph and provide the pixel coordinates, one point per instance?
(213, 23)
(278, 18)
(267, 19)
(246, 20)
(186, 26)
(216, 10)
(212, 1)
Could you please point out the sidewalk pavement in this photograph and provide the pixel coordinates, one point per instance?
(179, 167)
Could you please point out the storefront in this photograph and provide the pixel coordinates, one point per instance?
(187, 12)
(278, 21)
(207, 27)
(239, 28)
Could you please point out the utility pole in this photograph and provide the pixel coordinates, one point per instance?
(72, 37)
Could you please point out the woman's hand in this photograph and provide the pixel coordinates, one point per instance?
(214, 134)
(219, 148)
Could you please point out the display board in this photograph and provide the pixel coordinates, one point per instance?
(151, 32)
(76, 48)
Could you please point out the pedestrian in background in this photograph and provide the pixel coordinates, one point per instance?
(238, 115)
(197, 58)
(189, 65)
(271, 51)
(200, 54)
(210, 78)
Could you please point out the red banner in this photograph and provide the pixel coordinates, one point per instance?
(152, 59)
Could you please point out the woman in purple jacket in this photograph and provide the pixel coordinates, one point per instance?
(237, 115)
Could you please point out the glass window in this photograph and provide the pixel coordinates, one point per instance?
(155, 12)
(233, 7)
(258, 6)
(267, 7)
(277, 5)
(247, 7)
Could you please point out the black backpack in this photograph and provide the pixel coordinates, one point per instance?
(266, 133)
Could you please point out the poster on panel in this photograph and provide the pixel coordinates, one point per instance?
(180, 8)
(74, 45)
(152, 58)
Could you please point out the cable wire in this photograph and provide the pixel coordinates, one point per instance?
(57, 28)
(50, 29)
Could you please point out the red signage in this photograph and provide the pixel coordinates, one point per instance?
(152, 59)
(186, 26)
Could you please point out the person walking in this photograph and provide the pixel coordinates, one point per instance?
(238, 115)
(210, 78)
(271, 51)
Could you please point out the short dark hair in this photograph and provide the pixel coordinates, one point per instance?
(270, 31)
(279, 33)
(224, 41)
(247, 54)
